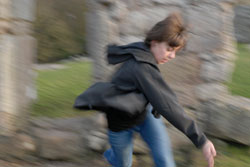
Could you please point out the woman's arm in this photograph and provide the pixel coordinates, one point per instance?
(149, 81)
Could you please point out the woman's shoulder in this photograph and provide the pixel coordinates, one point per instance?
(144, 66)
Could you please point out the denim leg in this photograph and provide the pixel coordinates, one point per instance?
(154, 133)
(121, 151)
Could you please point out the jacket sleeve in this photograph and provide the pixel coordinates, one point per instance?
(149, 81)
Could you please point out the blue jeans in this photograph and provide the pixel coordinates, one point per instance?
(153, 132)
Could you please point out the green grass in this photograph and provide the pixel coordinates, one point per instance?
(57, 90)
(240, 84)
(230, 155)
(233, 156)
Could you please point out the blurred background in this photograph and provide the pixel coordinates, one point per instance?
(52, 50)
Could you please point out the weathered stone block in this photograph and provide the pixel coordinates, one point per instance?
(76, 124)
(197, 2)
(4, 26)
(134, 24)
(182, 74)
(228, 117)
(139, 22)
(155, 14)
(16, 56)
(207, 57)
(205, 28)
(170, 2)
(208, 91)
(113, 34)
(129, 39)
(144, 3)
(20, 28)
(119, 10)
(217, 55)
(97, 35)
(219, 71)
(138, 4)
(178, 139)
(23, 9)
(97, 141)
(5, 9)
(185, 94)
(7, 125)
(25, 142)
(242, 23)
(55, 144)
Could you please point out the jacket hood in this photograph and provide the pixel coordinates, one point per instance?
(137, 50)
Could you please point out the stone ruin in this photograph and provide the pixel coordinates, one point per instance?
(198, 75)
(17, 53)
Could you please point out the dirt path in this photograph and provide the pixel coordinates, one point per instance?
(94, 160)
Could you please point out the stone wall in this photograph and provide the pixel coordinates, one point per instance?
(67, 139)
(198, 75)
(17, 51)
(242, 23)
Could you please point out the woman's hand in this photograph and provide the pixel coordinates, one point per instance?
(209, 152)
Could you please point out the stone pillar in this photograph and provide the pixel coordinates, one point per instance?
(242, 23)
(17, 50)
(100, 32)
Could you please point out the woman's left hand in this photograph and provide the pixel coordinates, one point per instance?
(209, 152)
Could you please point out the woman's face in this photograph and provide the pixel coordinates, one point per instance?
(162, 51)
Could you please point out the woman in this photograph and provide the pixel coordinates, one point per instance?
(139, 73)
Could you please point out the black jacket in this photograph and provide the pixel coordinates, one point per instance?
(139, 72)
(106, 97)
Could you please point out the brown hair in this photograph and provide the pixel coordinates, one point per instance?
(172, 30)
